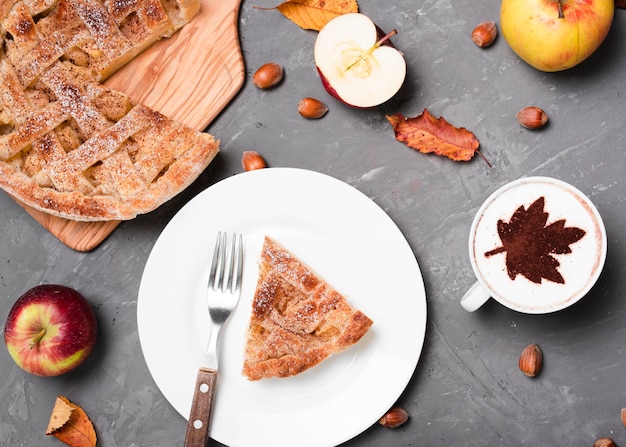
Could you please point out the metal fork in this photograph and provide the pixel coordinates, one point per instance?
(224, 288)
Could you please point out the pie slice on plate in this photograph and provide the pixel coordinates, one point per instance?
(297, 318)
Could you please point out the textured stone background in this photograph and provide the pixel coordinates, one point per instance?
(466, 390)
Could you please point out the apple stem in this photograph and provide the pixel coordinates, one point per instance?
(38, 338)
(559, 4)
(388, 36)
(376, 45)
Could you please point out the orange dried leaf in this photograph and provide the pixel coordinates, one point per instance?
(429, 134)
(70, 424)
(314, 14)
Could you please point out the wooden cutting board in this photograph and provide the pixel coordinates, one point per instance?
(189, 77)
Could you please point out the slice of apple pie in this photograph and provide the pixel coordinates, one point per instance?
(70, 146)
(297, 319)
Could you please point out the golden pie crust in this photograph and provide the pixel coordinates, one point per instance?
(70, 146)
(297, 319)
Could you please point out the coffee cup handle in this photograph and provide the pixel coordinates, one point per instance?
(475, 297)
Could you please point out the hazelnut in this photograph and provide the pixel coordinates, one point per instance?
(394, 418)
(530, 360)
(251, 160)
(268, 75)
(604, 442)
(311, 108)
(484, 34)
(532, 117)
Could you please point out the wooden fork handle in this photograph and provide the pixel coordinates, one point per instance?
(198, 426)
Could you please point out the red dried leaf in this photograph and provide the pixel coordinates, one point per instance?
(429, 134)
(529, 243)
(70, 424)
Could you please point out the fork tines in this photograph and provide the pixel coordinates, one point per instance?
(220, 277)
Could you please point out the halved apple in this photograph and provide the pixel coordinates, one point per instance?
(356, 61)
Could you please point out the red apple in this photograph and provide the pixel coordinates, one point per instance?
(356, 61)
(554, 35)
(50, 330)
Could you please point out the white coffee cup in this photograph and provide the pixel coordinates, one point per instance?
(537, 250)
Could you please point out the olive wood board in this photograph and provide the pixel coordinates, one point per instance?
(189, 77)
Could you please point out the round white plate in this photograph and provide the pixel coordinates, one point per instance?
(349, 241)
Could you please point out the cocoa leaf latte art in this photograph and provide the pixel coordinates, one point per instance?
(529, 243)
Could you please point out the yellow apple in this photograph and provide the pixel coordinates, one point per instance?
(554, 35)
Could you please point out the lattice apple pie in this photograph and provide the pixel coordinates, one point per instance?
(297, 320)
(70, 146)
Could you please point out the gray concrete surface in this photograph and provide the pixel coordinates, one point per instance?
(467, 389)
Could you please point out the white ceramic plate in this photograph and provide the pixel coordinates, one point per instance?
(349, 241)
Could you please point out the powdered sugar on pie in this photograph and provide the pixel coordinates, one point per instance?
(70, 146)
(297, 318)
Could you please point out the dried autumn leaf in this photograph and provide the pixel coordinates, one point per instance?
(529, 244)
(429, 134)
(314, 14)
(70, 424)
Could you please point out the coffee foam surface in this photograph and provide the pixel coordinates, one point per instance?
(579, 269)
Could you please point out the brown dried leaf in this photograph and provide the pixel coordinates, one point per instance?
(429, 134)
(70, 424)
(314, 14)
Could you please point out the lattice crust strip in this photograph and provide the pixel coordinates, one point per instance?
(71, 147)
